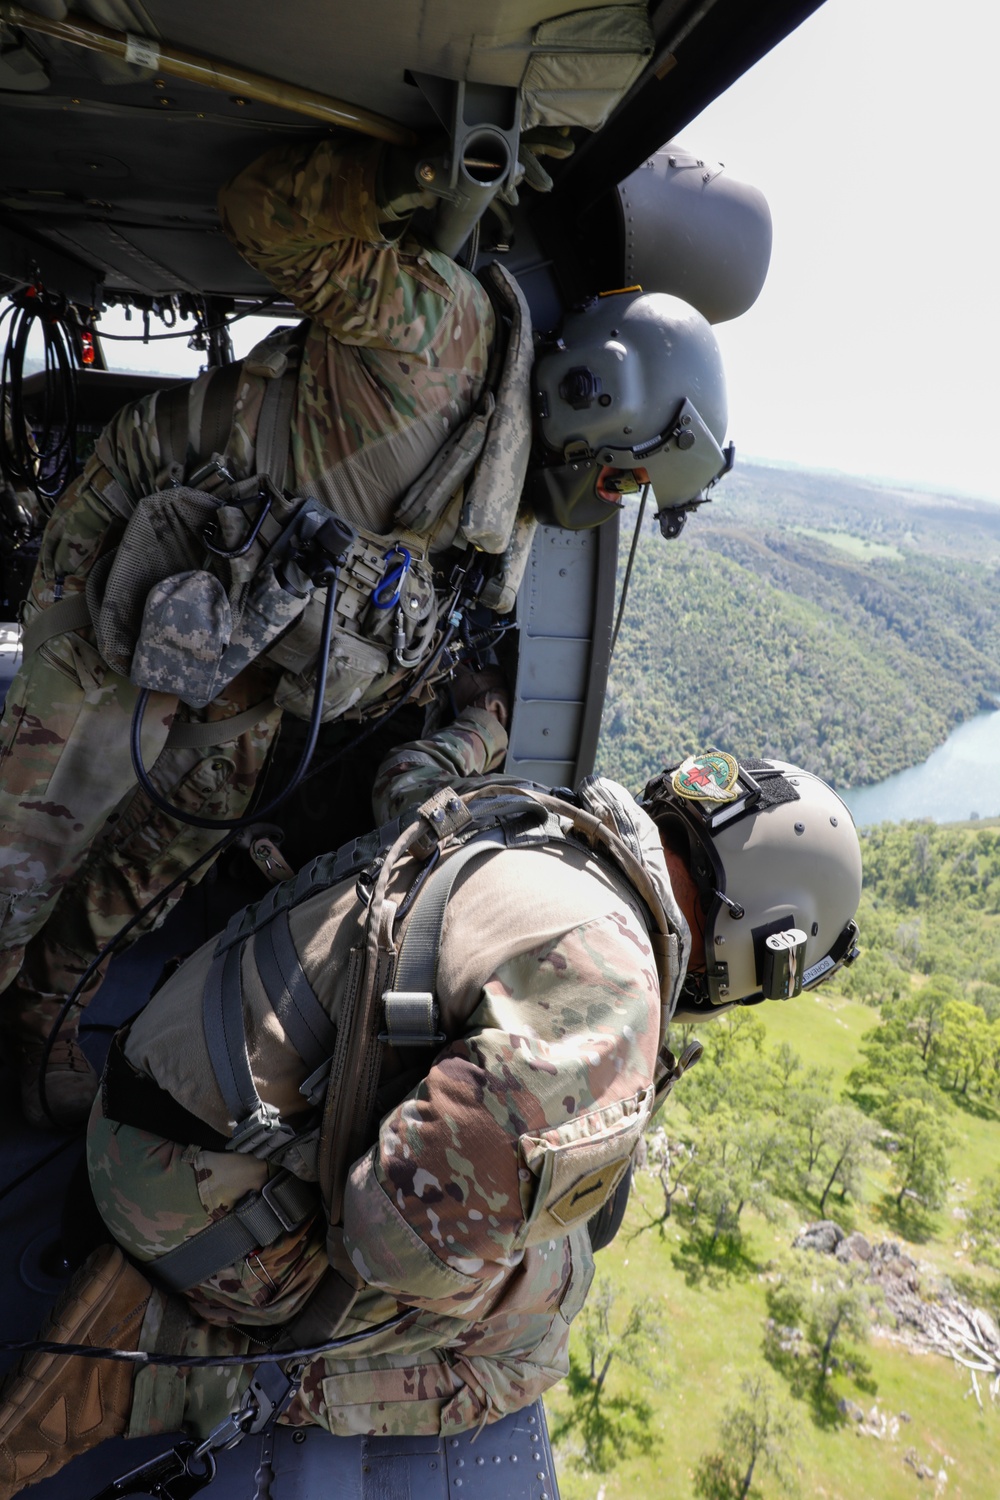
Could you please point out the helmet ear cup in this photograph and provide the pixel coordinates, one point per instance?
(635, 380)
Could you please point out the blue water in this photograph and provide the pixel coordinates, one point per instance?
(959, 778)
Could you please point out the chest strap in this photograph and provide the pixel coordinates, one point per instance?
(259, 1129)
(282, 1205)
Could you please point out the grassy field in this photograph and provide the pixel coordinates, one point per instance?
(714, 1313)
(854, 546)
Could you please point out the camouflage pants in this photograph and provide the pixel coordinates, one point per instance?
(431, 1374)
(83, 849)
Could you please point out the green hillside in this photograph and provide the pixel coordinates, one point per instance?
(840, 625)
(699, 1301)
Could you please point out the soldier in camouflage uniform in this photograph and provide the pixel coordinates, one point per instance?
(551, 998)
(554, 981)
(394, 357)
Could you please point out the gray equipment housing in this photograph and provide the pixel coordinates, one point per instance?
(635, 380)
(690, 229)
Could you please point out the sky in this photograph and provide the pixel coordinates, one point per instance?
(873, 132)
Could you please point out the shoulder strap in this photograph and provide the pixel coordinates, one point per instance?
(69, 613)
(411, 1010)
(345, 1130)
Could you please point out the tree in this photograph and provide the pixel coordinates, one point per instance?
(829, 1300)
(739, 1164)
(920, 1161)
(846, 1153)
(984, 1224)
(631, 1342)
(964, 1044)
(670, 1161)
(805, 1108)
(754, 1435)
(926, 1007)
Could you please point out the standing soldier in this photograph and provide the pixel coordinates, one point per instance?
(177, 598)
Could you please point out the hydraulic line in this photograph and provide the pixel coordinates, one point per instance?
(150, 52)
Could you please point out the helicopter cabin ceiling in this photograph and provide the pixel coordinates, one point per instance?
(109, 168)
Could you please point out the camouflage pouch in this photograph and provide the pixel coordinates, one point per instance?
(186, 627)
(368, 642)
(574, 1168)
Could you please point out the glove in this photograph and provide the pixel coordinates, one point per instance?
(398, 189)
(543, 140)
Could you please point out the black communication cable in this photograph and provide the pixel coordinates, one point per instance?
(202, 1361)
(43, 460)
(628, 570)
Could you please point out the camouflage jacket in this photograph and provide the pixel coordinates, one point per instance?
(399, 335)
(395, 356)
(550, 998)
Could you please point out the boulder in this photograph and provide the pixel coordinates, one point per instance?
(823, 1236)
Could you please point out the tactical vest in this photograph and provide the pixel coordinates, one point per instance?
(391, 1001)
(192, 593)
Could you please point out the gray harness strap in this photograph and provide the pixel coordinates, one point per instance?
(411, 1011)
(292, 997)
(259, 1128)
(274, 426)
(205, 736)
(257, 1220)
(217, 411)
(69, 613)
(285, 1202)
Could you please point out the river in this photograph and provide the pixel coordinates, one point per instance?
(959, 778)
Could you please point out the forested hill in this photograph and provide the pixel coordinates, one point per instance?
(839, 624)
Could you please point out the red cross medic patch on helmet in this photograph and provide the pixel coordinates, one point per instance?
(709, 777)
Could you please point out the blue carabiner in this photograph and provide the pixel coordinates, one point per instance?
(393, 579)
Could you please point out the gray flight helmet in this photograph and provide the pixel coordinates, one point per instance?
(690, 229)
(776, 858)
(634, 380)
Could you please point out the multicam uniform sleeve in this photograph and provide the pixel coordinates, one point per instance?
(561, 1048)
(472, 744)
(307, 217)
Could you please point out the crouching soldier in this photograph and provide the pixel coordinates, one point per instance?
(391, 1097)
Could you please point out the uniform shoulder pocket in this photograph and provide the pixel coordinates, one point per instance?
(570, 1171)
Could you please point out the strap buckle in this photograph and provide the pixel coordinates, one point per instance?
(411, 1018)
(261, 1134)
(269, 1192)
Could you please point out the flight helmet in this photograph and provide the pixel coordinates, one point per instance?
(775, 856)
(630, 391)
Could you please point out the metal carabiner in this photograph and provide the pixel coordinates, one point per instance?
(212, 528)
(393, 578)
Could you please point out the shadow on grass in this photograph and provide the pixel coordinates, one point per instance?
(806, 1383)
(910, 1222)
(981, 1108)
(797, 1363)
(716, 1264)
(837, 1208)
(607, 1428)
